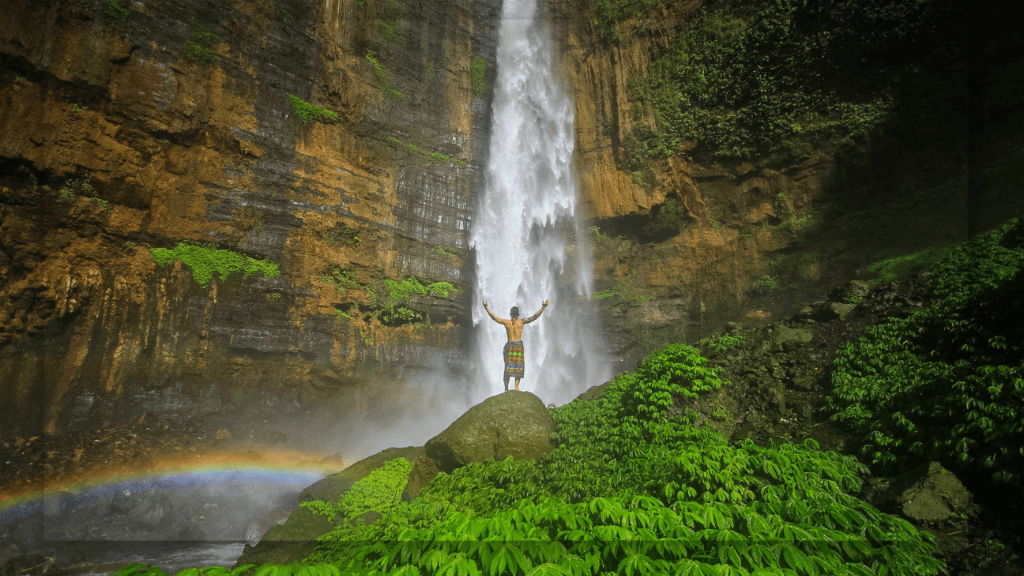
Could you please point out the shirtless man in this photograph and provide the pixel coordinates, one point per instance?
(515, 363)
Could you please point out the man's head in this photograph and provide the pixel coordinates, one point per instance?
(515, 312)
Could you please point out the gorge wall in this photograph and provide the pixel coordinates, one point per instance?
(130, 128)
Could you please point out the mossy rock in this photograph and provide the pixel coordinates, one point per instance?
(330, 488)
(296, 538)
(513, 424)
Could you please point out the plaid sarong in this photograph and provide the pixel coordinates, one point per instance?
(515, 363)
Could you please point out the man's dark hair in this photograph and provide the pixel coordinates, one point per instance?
(515, 311)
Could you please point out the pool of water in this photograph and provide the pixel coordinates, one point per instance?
(173, 521)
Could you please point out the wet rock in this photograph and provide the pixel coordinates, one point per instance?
(851, 291)
(510, 424)
(423, 471)
(785, 338)
(732, 327)
(928, 494)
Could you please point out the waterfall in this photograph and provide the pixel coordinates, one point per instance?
(528, 235)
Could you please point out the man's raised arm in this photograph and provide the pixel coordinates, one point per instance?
(491, 314)
(537, 315)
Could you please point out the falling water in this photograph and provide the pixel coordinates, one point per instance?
(528, 233)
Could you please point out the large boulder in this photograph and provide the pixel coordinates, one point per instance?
(927, 494)
(513, 424)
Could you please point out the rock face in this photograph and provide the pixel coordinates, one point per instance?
(510, 424)
(172, 120)
(695, 243)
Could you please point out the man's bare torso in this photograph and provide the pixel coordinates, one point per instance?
(513, 328)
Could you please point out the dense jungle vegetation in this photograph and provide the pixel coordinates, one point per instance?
(749, 79)
(635, 487)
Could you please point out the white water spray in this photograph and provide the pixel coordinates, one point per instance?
(525, 221)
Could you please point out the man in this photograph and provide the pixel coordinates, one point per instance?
(515, 363)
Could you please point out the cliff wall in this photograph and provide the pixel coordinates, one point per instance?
(688, 243)
(126, 129)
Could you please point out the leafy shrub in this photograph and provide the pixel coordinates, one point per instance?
(946, 383)
(66, 193)
(206, 260)
(391, 299)
(310, 113)
(343, 279)
(200, 44)
(379, 491)
(723, 342)
(105, 204)
(901, 266)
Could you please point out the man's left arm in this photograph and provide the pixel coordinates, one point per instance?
(537, 315)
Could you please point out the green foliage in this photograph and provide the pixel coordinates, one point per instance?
(205, 260)
(632, 488)
(391, 299)
(115, 11)
(19, 80)
(391, 12)
(947, 383)
(200, 44)
(99, 202)
(276, 296)
(782, 77)
(345, 234)
(435, 157)
(668, 214)
(431, 70)
(129, 244)
(608, 14)
(477, 74)
(446, 251)
(640, 146)
(72, 186)
(341, 314)
(379, 492)
(903, 265)
(391, 91)
(310, 113)
(625, 290)
(723, 342)
(77, 108)
(343, 279)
